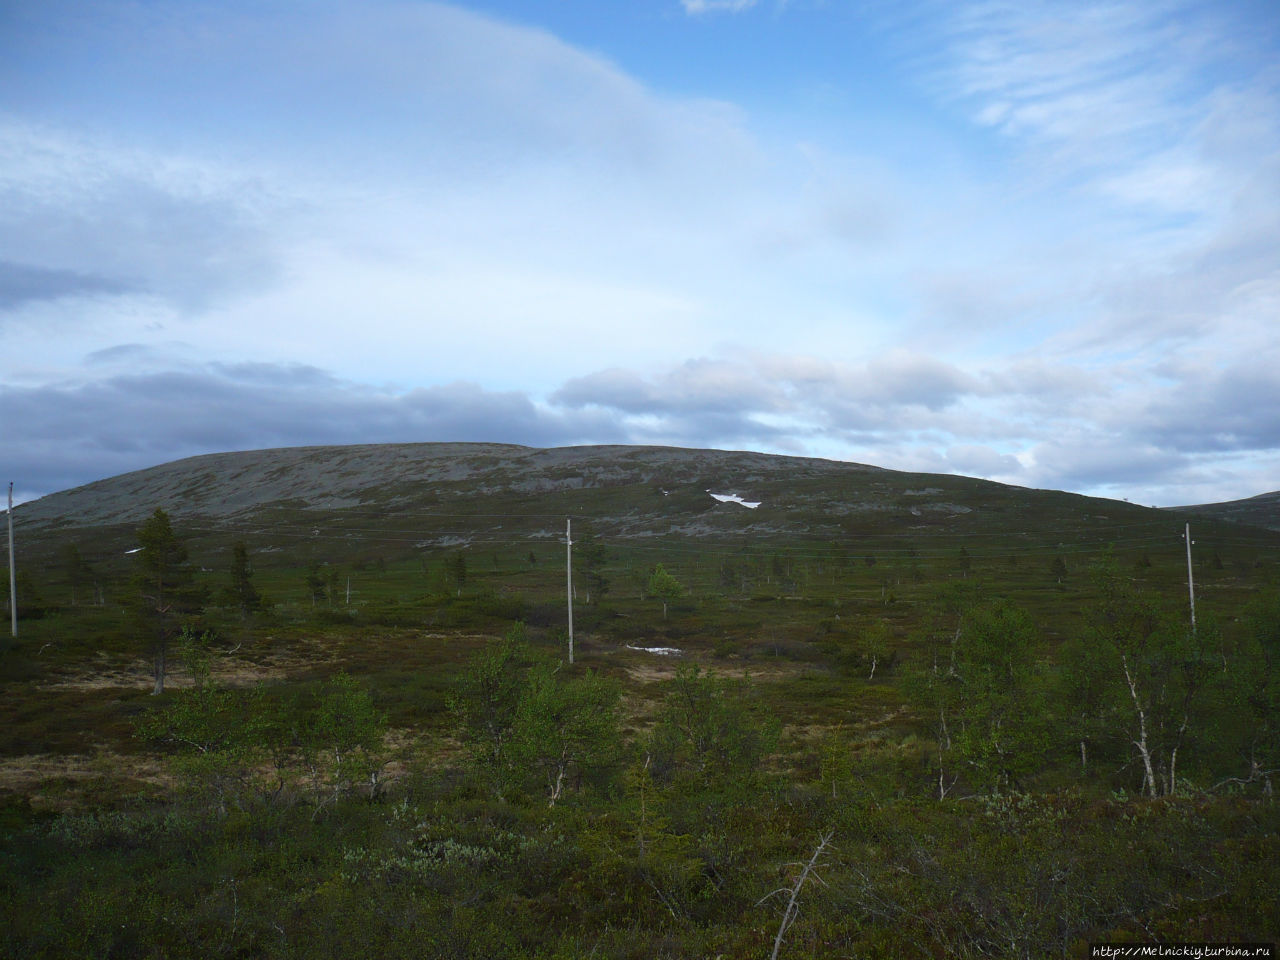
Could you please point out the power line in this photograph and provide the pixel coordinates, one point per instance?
(889, 545)
(680, 545)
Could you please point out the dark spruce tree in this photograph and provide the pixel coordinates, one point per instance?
(77, 570)
(165, 596)
(594, 556)
(241, 593)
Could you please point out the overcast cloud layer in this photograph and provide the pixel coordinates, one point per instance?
(1033, 242)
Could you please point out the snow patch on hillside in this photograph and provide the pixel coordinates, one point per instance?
(734, 498)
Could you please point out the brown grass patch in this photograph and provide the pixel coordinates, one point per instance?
(72, 781)
(656, 668)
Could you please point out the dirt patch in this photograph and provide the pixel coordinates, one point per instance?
(52, 781)
(131, 676)
(656, 668)
(853, 730)
(137, 674)
(649, 673)
(67, 781)
(106, 673)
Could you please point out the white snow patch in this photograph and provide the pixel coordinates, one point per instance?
(660, 651)
(134, 550)
(734, 498)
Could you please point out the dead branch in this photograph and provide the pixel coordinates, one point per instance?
(793, 904)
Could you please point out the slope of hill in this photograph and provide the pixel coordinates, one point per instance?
(632, 486)
(1260, 511)
(402, 477)
(409, 498)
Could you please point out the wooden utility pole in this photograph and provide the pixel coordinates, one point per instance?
(568, 569)
(13, 570)
(1191, 584)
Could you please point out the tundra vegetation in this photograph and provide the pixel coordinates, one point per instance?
(360, 736)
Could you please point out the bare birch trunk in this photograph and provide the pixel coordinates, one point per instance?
(1144, 750)
(793, 904)
(159, 671)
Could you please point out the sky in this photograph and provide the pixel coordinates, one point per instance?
(1033, 242)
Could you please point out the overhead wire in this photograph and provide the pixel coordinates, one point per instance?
(1073, 541)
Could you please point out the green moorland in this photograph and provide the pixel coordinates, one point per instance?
(880, 715)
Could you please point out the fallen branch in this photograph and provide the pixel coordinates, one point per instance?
(793, 904)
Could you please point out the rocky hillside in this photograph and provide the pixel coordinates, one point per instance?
(1260, 511)
(409, 476)
(456, 493)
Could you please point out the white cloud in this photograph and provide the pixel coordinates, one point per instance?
(698, 7)
(414, 191)
(1097, 73)
(136, 222)
(978, 460)
(1137, 98)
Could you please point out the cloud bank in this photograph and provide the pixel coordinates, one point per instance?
(908, 412)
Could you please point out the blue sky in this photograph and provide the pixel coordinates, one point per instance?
(1034, 242)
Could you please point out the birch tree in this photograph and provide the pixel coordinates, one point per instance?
(488, 695)
(665, 587)
(531, 724)
(1001, 736)
(1159, 667)
(931, 680)
(1088, 706)
(565, 730)
(873, 646)
(709, 728)
(1251, 720)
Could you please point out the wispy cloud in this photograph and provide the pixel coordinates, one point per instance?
(81, 216)
(1093, 79)
(1130, 95)
(699, 7)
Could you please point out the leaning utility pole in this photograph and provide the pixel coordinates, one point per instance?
(13, 575)
(568, 569)
(1191, 584)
